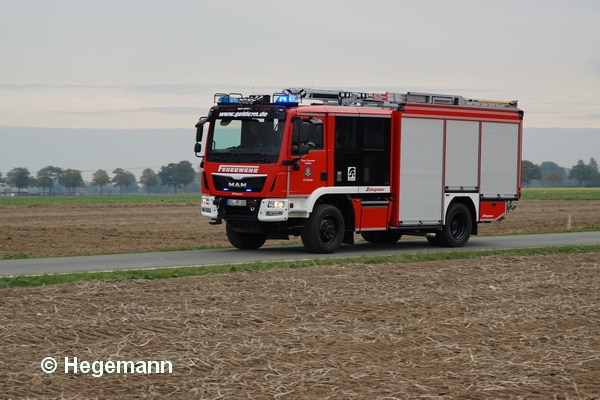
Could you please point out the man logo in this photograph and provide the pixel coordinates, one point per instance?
(237, 185)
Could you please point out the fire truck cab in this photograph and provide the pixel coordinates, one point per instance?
(326, 165)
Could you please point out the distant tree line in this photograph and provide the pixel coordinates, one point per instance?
(550, 174)
(173, 176)
(176, 176)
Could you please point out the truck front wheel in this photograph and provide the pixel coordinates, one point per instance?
(324, 230)
(244, 240)
(457, 231)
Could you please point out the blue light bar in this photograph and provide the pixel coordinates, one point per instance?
(286, 99)
(227, 100)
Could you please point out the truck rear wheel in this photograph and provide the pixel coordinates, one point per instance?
(324, 230)
(457, 231)
(244, 240)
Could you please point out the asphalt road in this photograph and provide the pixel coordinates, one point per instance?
(34, 266)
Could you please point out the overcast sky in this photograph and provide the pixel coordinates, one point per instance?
(156, 64)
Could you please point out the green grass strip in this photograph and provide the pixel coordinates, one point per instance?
(587, 193)
(130, 198)
(176, 272)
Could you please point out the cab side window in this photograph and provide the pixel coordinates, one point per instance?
(362, 150)
(315, 137)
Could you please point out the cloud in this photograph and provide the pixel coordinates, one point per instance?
(37, 86)
(184, 110)
(172, 88)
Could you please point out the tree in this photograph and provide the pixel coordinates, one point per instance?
(581, 172)
(123, 178)
(177, 175)
(529, 172)
(595, 174)
(167, 175)
(585, 173)
(552, 172)
(19, 178)
(185, 173)
(100, 178)
(47, 177)
(131, 180)
(148, 179)
(555, 177)
(71, 179)
(593, 165)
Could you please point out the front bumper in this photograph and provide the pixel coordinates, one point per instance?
(269, 209)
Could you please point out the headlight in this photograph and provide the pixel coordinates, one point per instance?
(276, 204)
(206, 201)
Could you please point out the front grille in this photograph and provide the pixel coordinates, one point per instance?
(246, 184)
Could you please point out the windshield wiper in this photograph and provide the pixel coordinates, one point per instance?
(223, 155)
(237, 158)
(265, 157)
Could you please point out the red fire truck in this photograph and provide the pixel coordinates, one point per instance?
(326, 165)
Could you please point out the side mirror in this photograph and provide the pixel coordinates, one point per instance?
(199, 128)
(199, 131)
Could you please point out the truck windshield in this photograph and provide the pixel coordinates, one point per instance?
(245, 140)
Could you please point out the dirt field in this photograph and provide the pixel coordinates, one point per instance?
(61, 229)
(496, 327)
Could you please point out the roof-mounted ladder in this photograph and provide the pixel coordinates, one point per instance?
(390, 99)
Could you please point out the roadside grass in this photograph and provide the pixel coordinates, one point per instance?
(16, 256)
(177, 272)
(130, 198)
(580, 193)
(20, 255)
(586, 228)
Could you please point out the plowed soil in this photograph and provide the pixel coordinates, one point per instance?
(490, 328)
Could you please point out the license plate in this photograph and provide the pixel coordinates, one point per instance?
(236, 202)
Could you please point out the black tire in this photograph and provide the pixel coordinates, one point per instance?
(324, 230)
(387, 237)
(244, 240)
(457, 230)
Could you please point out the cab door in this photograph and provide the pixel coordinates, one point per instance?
(311, 171)
(362, 151)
